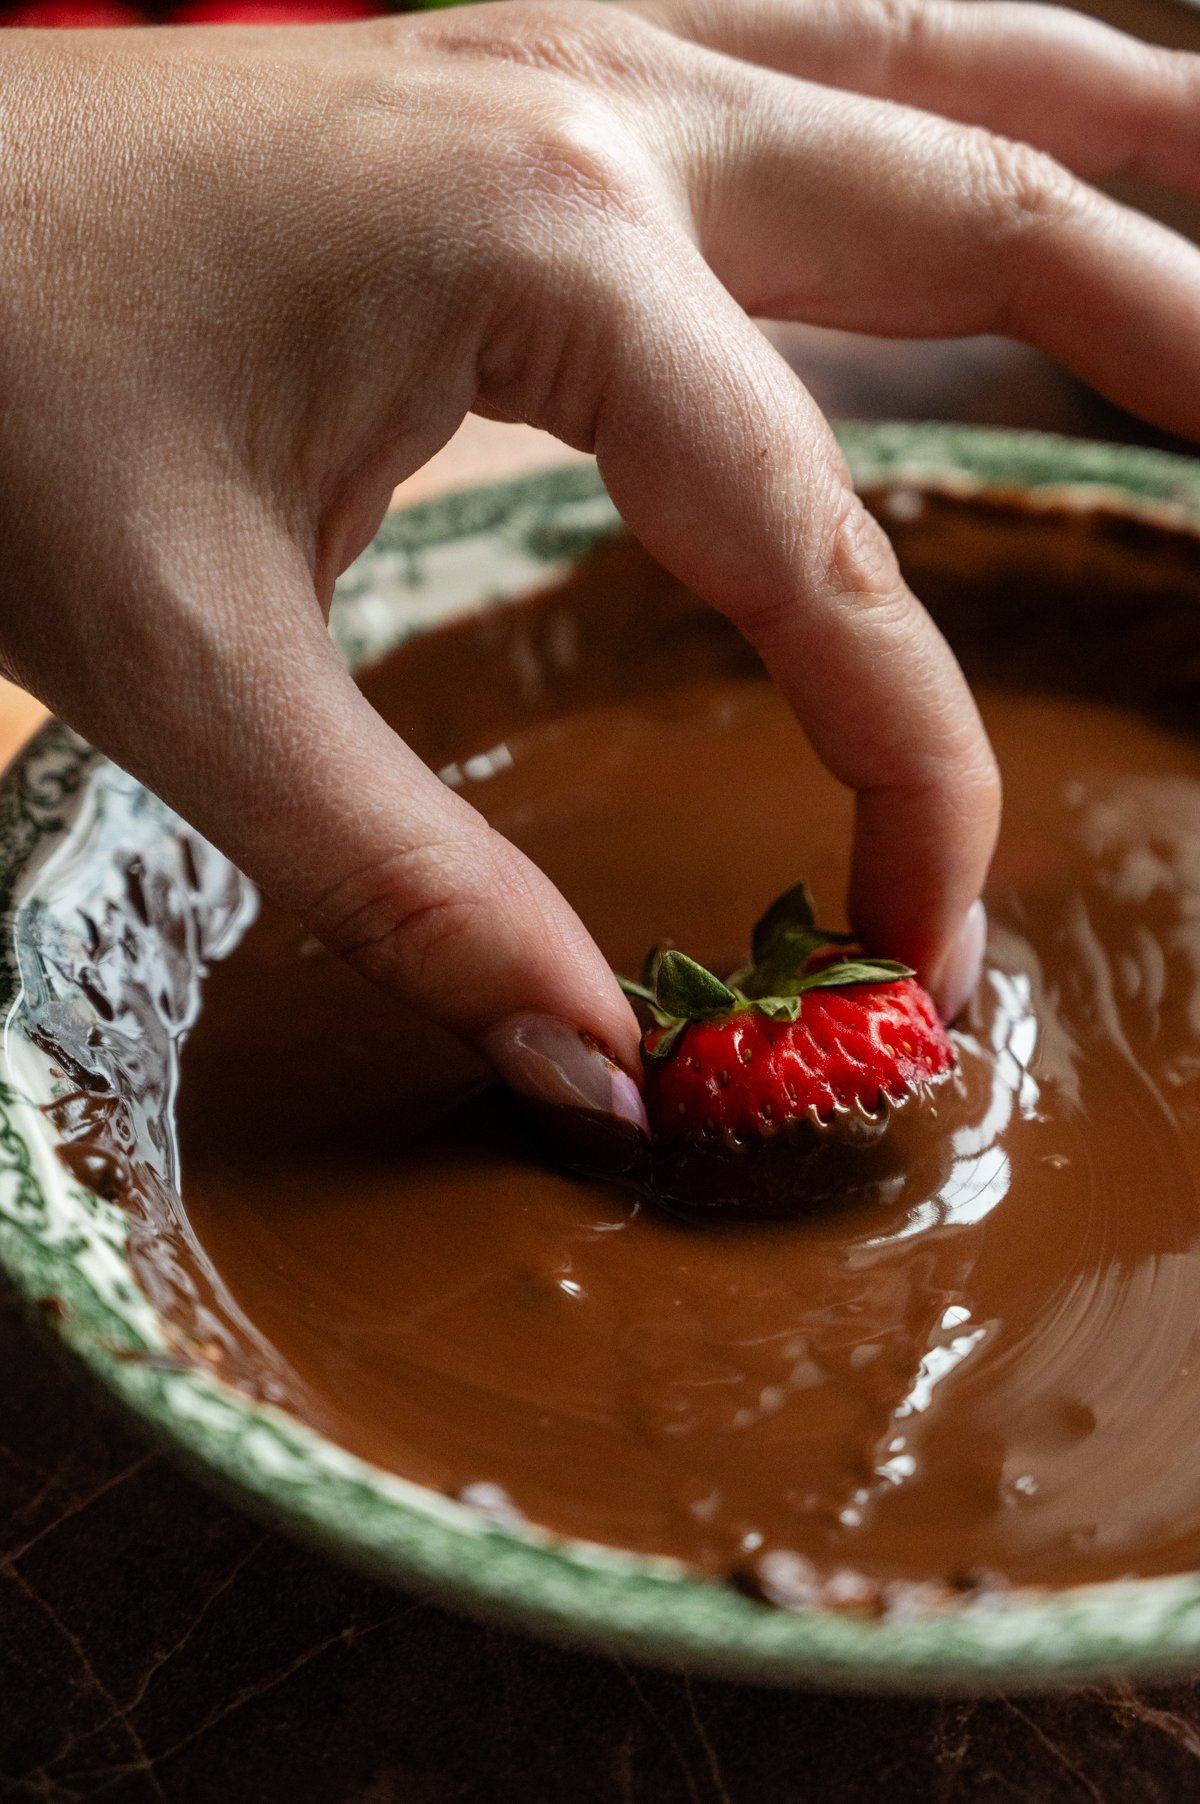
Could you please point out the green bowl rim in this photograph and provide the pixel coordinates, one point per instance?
(60, 1242)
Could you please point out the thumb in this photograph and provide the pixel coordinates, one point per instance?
(245, 721)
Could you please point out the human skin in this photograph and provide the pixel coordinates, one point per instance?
(253, 278)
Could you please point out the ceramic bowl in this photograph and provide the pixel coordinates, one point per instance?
(70, 825)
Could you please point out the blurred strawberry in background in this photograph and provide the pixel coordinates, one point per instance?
(90, 14)
(271, 12)
(84, 14)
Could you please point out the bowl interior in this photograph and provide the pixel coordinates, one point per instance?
(95, 1019)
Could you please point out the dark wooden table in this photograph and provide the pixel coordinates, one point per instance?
(156, 1644)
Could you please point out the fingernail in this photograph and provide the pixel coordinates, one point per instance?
(591, 1106)
(964, 962)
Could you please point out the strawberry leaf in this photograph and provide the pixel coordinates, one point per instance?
(856, 970)
(779, 1008)
(791, 913)
(686, 990)
(638, 992)
(784, 941)
(783, 971)
(653, 959)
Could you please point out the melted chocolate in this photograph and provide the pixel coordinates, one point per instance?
(990, 1371)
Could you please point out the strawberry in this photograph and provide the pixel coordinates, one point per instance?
(272, 12)
(770, 1089)
(72, 15)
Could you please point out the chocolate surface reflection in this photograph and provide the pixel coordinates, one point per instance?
(989, 1374)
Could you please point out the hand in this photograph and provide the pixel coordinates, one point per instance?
(253, 278)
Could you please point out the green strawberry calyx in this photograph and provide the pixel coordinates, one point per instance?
(677, 991)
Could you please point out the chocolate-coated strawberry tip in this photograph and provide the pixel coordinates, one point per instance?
(799, 1167)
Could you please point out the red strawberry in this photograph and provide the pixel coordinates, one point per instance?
(271, 12)
(72, 14)
(769, 1090)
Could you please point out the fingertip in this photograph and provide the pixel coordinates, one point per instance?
(551, 1061)
(571, 1088)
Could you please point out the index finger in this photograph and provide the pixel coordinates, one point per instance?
(724, 467)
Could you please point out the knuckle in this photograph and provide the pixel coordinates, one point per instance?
(1029, 203)
(1018, 186)
(402, 921)
(901, 23)
(572, 269)
(844, 560)
(857, 560)
(578, 154)
(575, 81)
